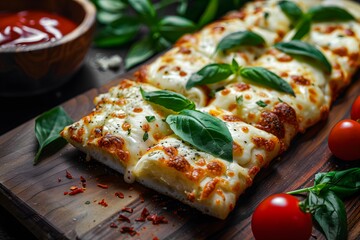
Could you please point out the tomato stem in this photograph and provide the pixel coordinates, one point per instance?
(300, 190)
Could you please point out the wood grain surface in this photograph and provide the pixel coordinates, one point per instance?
(35, 194)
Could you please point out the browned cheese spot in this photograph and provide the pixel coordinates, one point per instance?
(114, 145)
(209, 187)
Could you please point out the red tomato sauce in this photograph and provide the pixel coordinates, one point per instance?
(32, 27)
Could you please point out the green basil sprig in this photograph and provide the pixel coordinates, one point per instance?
(299, 48)
(238, 39)
(213, 73)
(291, 10)
(329, 13)
(203, 131)
(303, 27)
(266, 78)
(168, 99)
(47, 129)
(320, 13)
(324, 200)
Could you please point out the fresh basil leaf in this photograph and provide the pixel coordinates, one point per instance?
(266, 78)
(145, 9)
(150, 118)
(48, 126)
(168, 99)
(291, 10)
(238, 39)
(139, 52)
(173, 27)
(210, 13)
(302, 28)
(261, 103)
(329, 212)
(105, 17)
(299, 48)
(113, 6)
(118, 32)
(239, 100)
(211, 73)
(329, 13)
(203, 131)
(145, 136)
(343, 183)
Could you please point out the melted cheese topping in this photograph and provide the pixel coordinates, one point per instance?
(118, 124)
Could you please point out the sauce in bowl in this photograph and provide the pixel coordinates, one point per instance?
(32, 27)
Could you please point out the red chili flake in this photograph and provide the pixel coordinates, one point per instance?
(68, 175)
(103, 186)
(143, 216)
(157, 219)
(113, 225)
(119, 194)
(103, 203)
(127, 209)
(59, 179)
(82, 179)
(124, 218)
(66, 193)
(129, 230)
(155, 238)
(76, 191)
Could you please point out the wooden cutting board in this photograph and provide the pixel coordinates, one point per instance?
(35, 194)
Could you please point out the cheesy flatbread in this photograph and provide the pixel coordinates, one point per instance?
(133, 136)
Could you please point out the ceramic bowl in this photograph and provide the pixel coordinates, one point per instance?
(38, 68)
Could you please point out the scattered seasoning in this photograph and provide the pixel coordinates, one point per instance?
(123, 218)
(280, 99)
(103, 203)
(59, 179)
(144, 214)
(68, 175)
(113, 225)
(157, 219)
(103, 186)
(76, 191)
(87, 202)
(129, 230)
(127, 209)
(119, 194)
(83, 181)
(72, 188)
(66, 193)
(155, 238)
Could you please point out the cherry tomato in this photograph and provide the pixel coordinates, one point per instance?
(344, 140)
(355, 110)
(279, 217)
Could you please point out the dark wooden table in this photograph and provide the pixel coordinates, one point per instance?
(17, 110)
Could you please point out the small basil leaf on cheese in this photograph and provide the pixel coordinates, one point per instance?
(145, 136)
(47, 129)
(267, 78)
(150, 118)
(291, 10)
(211, 73)
(329, 13)
(168, 99)
(302, 28)
(261, 103)
(203, 131)
(299, 48)
(238, 39)
(239, 100)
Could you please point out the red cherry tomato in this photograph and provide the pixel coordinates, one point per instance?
(355, 110)
(344, 140)
(279, 217)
